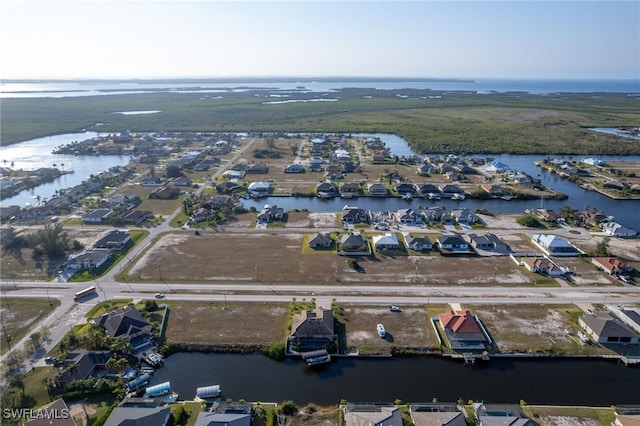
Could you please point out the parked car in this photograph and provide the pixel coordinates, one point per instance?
(394, 309)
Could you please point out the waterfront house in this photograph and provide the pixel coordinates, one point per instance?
(602, 327)
(372, 415)
(52, 414)
(612, 265)
(542, 265)
(113, 240)
(448, 190)
(80, 365)
(453, 243)
(294, 168)
(464, 216)
(228, 187)
(350, 189)
(436, 414)
(424, 189)
(405, 188)
(377, 189)
(386, 242)
(494, 191)
(326, 190)
(501, 415)
(127, 323)
(434, 214)
(462, 330)
(629, 316)
(313, 329)
(320, 241)
(408, 217)
(417, 243)
(218, 201)
(148, 413)
(270, 214)
(259, 188)
(548, 215)
(553, 245)
(351, 214)
(209, 418)
(614, 229)
(498, 167)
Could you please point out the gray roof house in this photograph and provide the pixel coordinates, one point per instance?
(605, 328)
(139, 416)
(51, 414)
(372, 415)
(417, 243)
(88, 259)
(454, 243)
(464, 216)
(80, 365)
(207, 418)
(408, 217)
(113, 240)
(321, 240)
(270, 214)
(354, 244)
(127, 323)
(488, 242)
(97, 216)
(436, 414)
(354, 215)
(313, 329)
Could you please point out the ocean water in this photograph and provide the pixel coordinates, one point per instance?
(74, 88)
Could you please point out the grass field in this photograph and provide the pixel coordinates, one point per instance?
(20, 315)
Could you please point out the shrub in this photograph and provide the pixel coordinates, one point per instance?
(275, 351)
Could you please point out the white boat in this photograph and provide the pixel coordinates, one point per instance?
(458, 197)
(407, 196)
(381, 331)
(433, 196)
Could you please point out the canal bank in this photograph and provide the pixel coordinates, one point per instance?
(254, 377)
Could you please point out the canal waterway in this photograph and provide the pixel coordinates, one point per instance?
(38, 153)
(255, 377)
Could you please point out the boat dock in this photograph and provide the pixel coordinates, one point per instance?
(320, 356)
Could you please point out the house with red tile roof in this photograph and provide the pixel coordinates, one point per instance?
(542, 265)
(462, 330)
(612, 265)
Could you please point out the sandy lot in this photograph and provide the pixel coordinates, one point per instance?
(221, 257)
(231, 324)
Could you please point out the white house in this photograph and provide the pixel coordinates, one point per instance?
(260, 188)
(386, 241)
(417, 243)
(554, 245)
(616, 230)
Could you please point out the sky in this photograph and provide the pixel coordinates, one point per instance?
(215, 38)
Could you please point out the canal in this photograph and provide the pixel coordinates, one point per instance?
(255, 377)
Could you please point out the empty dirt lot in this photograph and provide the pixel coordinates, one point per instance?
(277, 257)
